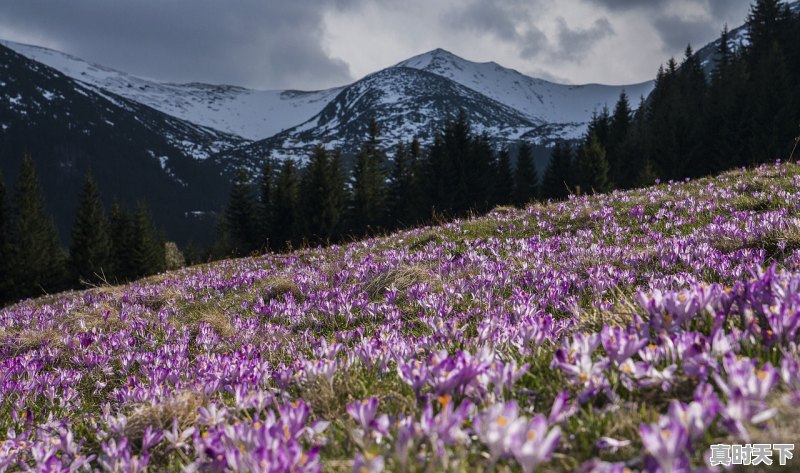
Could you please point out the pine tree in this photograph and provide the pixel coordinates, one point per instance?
(592, 166)
(286, 216)
(526, 179)
(37, 259)
(320, 205)
(240, 216)
(724, 117)
(634, 151)
(147, 249)
(399, 192)
(504, 178)
(120, 231)
(338, 196)
(618, 130)
(266, 203)
(557, 178)
(6, 284)
(90, 249)
(768, 23)
(771, 111)
(479, 175)
(369, 186)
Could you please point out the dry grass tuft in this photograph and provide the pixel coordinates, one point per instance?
(622, 314)
(277, 286)
(219, 322)
(183, 408)
(401, 278)
(28, 339)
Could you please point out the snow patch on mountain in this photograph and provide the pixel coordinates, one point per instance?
(541, 101)
(250, 114)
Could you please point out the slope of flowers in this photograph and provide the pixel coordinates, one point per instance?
(622, 332)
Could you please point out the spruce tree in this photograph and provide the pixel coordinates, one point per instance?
(338, 196)
(399, 192)
(618, 130)
(504, 178)
(285, 211)
(592, 166)
(37, 259)
(557, 179)
(120, 231)
(147, 248)
(90, 249)
(6, 284)
(266, 203)
(526, 179)
(369, 186)
(240, 216)
(320, 201)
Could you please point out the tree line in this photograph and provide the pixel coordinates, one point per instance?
(117, 247)
(745, 112)
(319, 203)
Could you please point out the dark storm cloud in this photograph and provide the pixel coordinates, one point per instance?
(512, 21)
(575, 43)
(267, 43)
(569, 44)
(486, 17)
(677, 32)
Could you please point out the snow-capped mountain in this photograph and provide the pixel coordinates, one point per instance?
(414, 97)
(541, 101)
(249, 114)
(500, 101)
(134, 151)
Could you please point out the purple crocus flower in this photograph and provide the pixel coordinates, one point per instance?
(533, 443)
(667, 443)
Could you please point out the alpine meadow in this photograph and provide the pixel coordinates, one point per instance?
(443, 266)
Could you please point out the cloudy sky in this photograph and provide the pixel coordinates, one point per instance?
(307, 44)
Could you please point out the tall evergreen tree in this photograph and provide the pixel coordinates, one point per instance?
(479, 175)
(724, 117)
(504, 178)
(618, 130)
(37, 259)
(399, 192)
(320, 200)
(6, 284)
(634, 151)
(285, 212)
(369, 185)
(147, 249)
(557, 179)
(120, 231)
(771, 112)
(592, 166)
(90, 249)
(240, 216)
(266, 203)
(526, 179)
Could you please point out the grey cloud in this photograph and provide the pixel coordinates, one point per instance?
(576, 43)
(486, 17)
(677, 32)
(269, 44)
(569, 45)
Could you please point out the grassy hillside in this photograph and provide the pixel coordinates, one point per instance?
(630, 330)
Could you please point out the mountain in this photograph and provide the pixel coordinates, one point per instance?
(416, 96)
(286, 123)
(248, 114)
(541, 101)
(405, 102)
(135, 152)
